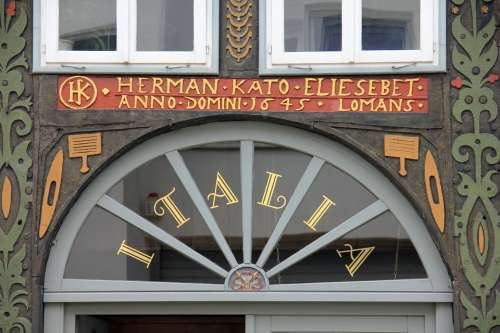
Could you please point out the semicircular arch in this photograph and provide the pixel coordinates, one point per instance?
(320, 148)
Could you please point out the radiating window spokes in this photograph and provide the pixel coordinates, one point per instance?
(252, 214)
(301, 189)
(132, 218)
(184, 175)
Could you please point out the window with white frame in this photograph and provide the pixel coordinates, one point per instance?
(111, 34)
(351, 35)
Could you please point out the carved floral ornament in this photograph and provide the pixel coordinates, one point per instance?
(239, 29)
(407, 147)
(477, 154)
(247, 279)
(80, 146)
(15, 162)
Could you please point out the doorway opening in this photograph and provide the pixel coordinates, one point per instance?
(156, 324)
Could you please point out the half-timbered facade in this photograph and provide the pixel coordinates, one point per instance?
(249, 166)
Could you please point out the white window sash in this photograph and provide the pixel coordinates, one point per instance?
(202, 31)
(52, 35)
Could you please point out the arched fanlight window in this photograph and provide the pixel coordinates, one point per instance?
(244, 212)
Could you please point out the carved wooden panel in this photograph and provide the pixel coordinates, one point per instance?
(15, 162)
(477, 156)
(239, 22)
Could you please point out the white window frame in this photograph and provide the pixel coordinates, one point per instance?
(352, 59)
(203, 59)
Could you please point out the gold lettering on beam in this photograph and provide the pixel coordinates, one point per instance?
(267, 197)
(358, 260)
(128, 85)
(171, 207)
(222, 190)
(325, 205)
(136, 254)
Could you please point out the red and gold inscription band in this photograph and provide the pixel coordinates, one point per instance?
(301, 94)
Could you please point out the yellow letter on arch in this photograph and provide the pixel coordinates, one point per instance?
(222, 190)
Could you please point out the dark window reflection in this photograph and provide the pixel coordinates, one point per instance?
(313, 25)
(144, 186)
(155, 324)
(219, 163)
(330, 185)
(165, 25)
(88, 25)
(391, 25)
(289, 165)
(107, 248)
(393, 257)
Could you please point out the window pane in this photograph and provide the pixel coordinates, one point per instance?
(165, 25)
(87, 25)
(340, 196)
(378, 250)
(108, 248)
(216, 170)
(147, 191)
(313, 25)
(391, 25)
(283, 168)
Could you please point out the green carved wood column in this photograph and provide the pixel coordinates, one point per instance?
(476, 151)
(16, 186)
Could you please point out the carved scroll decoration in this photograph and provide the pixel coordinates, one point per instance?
(52, 183)
(6, 197)
(247, 279)
(15, 161)
(239, 29)
(436, 201)
(477, 153)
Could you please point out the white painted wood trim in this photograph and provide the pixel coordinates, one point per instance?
(263, 297)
